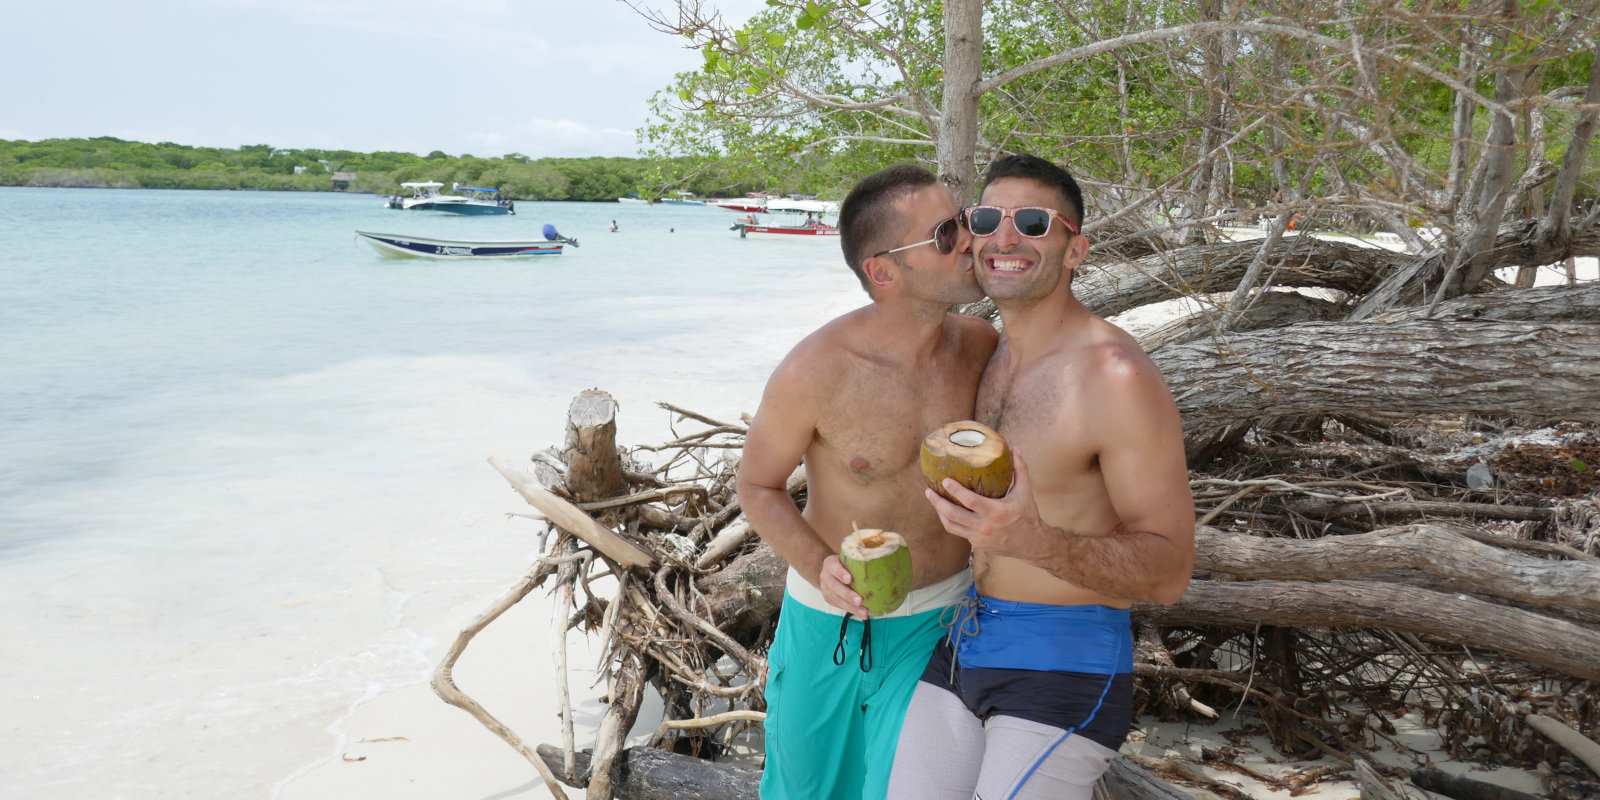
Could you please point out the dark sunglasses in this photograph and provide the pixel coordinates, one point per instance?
(1033, 223)
(943, 239)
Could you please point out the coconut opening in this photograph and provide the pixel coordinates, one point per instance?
(966, 437)
(866, 545)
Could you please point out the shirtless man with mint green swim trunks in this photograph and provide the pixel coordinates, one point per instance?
(853, 401)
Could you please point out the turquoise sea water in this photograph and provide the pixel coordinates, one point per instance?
(243, 481)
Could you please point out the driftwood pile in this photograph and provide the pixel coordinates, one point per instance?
(1415, 552)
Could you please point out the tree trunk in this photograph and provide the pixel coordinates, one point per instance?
(1543, 304)
(744, 596)
(594, 469)
(1557, 644)
(1459, 563)
(958, 122)
(1300, 261)
(1394, 371)
(1270, 310)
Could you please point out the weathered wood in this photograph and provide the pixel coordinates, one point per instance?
(573, 520)
(1373, 786)
(1557, 644)
(1399, 370)
(1571, 740)
(1395, 510)
(1438, 550)
(1541, 304)
(444, 685)
(1301, 261)
(744, 596)
(1460, 788)
(1271, 310)
(627, 692)
(594, 468)
(648, 773)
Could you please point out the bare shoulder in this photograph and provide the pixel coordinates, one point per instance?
(816, 363)
(1124, 384)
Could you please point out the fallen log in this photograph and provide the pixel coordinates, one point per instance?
(743, 597)
(1542, 304)
(1460, 788)
(1390, 511)
(648, 773)
(1455, 561)
(1556, 644)
(1271, 310)
(574, 520)
(1394, 371)
(1301, 261)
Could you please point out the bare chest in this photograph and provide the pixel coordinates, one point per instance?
(876, 420)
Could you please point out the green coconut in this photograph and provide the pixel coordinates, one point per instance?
(972, 453)
(880, 568)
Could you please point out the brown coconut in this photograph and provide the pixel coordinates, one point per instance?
(972, 453)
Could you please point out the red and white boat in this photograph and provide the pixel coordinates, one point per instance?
(745, 227)
(745, 206)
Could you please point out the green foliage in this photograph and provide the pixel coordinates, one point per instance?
(109, 162)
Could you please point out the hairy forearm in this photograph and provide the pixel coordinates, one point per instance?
(1130, 564)
(776, 519)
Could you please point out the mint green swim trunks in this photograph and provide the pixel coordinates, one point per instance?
(832, 728)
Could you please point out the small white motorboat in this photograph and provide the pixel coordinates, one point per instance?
(400, 245)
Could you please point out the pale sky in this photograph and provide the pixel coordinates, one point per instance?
(487, 77)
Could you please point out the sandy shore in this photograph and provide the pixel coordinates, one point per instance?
(406, 743)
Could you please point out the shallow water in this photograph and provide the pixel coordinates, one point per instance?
(244, 456)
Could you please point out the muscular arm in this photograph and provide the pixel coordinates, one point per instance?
(783, 428)
(1150, 554)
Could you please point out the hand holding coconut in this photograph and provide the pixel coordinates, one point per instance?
(1009, 525)
(834, 582)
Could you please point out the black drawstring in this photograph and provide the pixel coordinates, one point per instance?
(839, 651)
(866, 645)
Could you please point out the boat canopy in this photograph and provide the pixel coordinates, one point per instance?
(422, 185)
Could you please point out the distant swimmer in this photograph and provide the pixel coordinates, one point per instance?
(614, 226)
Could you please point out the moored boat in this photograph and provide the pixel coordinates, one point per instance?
(399, 245)
(808, 228)
(475, 200)
(682, 199)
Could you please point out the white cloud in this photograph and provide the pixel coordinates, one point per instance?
(539, 137)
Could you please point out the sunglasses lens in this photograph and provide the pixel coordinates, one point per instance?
(1032, 222)
(944, 237)
(983, 220)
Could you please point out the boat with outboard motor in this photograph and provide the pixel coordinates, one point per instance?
(475, 200)
(400, 245)
(813, 226)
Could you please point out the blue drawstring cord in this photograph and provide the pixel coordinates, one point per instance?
(961, 619)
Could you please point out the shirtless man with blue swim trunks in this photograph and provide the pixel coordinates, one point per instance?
(853, 401)
(1030, 694)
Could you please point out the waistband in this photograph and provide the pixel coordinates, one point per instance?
(947, 592)
(990, 633)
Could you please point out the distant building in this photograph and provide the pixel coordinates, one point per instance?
(299, 169)
(342, 180)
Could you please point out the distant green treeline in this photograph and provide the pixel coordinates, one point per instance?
(117, 163)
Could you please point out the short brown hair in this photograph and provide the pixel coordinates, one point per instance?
(868, 216)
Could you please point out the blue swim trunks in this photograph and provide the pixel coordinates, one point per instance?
(832, 727)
